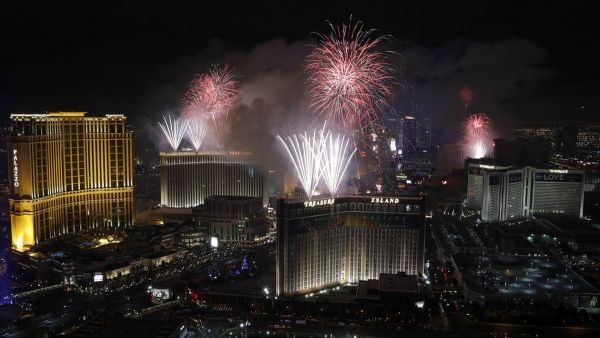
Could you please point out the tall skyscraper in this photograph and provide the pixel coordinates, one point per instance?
(450, 156)
(423, 134)
(567, 140)
(409, 136)
(188, 177)
(68, 172)
(332, 241)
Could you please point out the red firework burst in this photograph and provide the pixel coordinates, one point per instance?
(210, 97)
(349, 77)
(476, 126)
(212, 94)
(476, 134)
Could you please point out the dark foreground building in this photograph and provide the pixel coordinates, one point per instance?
(340, 240)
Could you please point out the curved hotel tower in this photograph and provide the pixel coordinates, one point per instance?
(188, 177)
(68, 172)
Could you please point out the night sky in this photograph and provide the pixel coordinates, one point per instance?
(524, 60)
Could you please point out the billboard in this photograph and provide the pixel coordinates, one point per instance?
(160, 294)
(589, 301)
(558, 177)
(214, 242)
(98, 277)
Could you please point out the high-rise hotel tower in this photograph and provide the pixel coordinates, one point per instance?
(68, 172)
(337, 240)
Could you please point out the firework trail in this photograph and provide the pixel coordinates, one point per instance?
(211, 95)
(349, 79)
(305, 153)
(174, 130)
(196, 132)
(334, 159)
(478, 149)
(476, 134)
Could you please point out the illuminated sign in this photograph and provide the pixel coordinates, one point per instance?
(390, 200)
(160, 294)
(15, 169)
(214, 242)
(327, 201)
(486, 166)
(589, 301)
(515, 178)
(559, 171)
(98, 277)
(553, 177)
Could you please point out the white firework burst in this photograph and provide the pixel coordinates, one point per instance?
(196, 132)
(305, 153)
(174, 130)
(335, 159)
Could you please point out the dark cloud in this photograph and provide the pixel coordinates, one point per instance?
(509, 79)
(499, 74)
(271, 99)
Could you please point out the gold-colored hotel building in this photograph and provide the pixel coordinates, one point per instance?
(68, 172)
(347, 239)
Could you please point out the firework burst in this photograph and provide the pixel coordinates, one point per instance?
(196, 132)
(211, 95)
(174, 130)
(349, 78)
(334, 159)
(305, 152)
(476, 129)
(321, 154)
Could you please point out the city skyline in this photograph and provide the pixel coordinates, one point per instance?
(383, 169)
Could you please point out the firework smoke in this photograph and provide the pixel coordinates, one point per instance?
(476, 134)
(334, 159)
(210, 97)
(349, 79)
(174, 130)
(196, 132)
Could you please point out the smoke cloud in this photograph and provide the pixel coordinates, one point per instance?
(505, 77)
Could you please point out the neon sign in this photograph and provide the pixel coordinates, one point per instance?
(328, 201)
(389, 200)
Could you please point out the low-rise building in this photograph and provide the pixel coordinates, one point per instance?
(234, 219)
